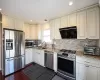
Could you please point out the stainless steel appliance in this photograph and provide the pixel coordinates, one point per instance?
(68, 32)
(49, 59)
(67, 64)
(13, 53)
(29, 43)
(92, 51)
(32, 43)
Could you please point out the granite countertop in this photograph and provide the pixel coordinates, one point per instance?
(78, 53)
(81, 54)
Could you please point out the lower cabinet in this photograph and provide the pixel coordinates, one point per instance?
(28, 56)
(55, 62)
(38, 56)
(87, 72)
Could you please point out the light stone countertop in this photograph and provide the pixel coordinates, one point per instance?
(78, 53)
(81, 54)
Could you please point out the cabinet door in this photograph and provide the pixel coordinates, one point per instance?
(93, 23)
(27, 31)
(81, 25)
(82, 72)
(52, 29)
(55, 62)
(8, 22)
(28, 56)
(33, 32)
(72, 20)
(41, 57)
(92, 73)
(19, 25)
(57, 27)
(98, 73)
(35, 56)
(64, 21)
(39, 32)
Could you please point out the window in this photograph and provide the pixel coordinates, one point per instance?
(46, 36)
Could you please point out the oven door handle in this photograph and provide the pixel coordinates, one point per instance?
(66, 58)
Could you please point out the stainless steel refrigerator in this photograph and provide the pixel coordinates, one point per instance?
(13, 53)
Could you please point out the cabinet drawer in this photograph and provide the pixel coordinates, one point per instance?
(89, 60)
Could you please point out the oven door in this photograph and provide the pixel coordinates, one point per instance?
(66, 66)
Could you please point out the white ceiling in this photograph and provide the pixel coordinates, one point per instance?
(38, 10)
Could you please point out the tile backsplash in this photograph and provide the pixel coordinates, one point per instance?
(74, 44)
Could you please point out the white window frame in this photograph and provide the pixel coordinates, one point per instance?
(46, 36)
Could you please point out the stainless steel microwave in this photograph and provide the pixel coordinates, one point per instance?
(29, 43)
(68, 32)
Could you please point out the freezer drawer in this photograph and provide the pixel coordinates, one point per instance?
(9, 66)
(14, 64)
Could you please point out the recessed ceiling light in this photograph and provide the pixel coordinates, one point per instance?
(0, 9)
(70, 3)
(31, 20)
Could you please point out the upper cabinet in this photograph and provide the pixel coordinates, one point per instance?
(12, 23)
(54, 27)
(39, 32)
(33, 32)
(87, 22)
(57, 26)
(19, 24)
(30, 31)
(81, 25)
(64, 21)
(8, 22)
(72, 20)
(27, 31)
(93, 23)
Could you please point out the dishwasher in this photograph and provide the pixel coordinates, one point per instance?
(49, 59)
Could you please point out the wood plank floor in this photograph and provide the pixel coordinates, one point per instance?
(16, 76)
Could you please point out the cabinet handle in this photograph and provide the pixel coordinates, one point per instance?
(38, 53)
(87, 66)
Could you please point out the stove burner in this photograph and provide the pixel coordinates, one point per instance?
(68, 51)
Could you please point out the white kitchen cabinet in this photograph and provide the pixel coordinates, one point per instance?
(52, 29)
(72, 21)
(93, 23)
(19, 24)
(64, 21)
(28, 56)
(82, 71)
(98, 73)
(92, 73)
(26, 29)
(57, 27)
(81, 25)
(35, 56)
(55, 61)
(30, 31)
(38, 56)
(87, 72)
(41, 57)
(39, 32)
(33, 32)
(8, 22)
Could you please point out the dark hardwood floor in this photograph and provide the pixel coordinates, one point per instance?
(16, 76)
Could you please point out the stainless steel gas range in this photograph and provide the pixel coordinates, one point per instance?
(67, 64)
